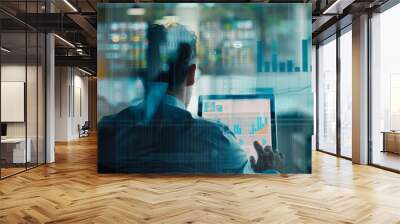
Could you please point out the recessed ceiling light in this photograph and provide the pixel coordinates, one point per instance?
(136, 11)
(84, 71)
(5, 50)
(337, 7)
(70, 5)
(65, 41)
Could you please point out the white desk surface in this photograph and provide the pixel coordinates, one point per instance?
(21, 154)
(13, 140)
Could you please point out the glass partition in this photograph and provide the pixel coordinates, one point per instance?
(327, 96)
(14, 151)
(346, 93)
(22, 90)
(385, 89)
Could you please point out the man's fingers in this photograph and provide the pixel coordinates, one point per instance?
(269, 154)
(253, 162)
(258, 148)
(278, 160)
(281, 156)
(268, 149)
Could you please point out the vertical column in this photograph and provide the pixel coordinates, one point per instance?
(63, 102)
(338, 91)
(92, 89)
(360, 90)
(50, 92)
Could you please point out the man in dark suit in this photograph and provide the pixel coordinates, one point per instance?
(158, 135)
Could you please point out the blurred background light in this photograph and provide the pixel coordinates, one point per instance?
(136, 11)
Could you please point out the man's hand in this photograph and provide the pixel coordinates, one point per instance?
(267, 159)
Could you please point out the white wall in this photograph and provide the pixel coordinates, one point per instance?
(80, 94)
(16, 73)
(61, 103)
(71, 102)
(33, 127)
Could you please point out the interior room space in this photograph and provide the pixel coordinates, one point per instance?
(22, 100)
(72, 103)
(385, 90)
(186, 112)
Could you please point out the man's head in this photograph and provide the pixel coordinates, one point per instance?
(171, 58)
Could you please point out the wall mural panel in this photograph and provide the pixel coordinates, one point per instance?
(204, 88)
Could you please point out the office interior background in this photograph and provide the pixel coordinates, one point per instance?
(49, 89)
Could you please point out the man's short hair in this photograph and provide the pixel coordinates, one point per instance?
(171, 51)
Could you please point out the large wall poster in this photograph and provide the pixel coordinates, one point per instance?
(218, 88)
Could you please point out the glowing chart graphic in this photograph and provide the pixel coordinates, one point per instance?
(248, 119)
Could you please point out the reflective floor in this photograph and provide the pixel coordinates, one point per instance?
(387, 159)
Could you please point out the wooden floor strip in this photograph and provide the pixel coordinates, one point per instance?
(71, 191)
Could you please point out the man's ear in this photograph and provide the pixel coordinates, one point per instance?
(190, 76)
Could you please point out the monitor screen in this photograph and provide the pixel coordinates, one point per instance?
(250, 118)
(3, 129)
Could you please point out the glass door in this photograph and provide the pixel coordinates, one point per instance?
(22, 77)
(327, 96)
(346, 93)
(385, 90)
(14, 153)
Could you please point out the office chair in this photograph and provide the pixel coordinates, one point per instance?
(84, 130)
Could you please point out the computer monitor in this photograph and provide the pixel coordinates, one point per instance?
(3, 129)
(250, 117)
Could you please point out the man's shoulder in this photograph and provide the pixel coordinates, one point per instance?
(126, 114)
(112, 117)
(107, 119)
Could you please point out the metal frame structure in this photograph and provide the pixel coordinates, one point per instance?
(338, 33)
(387, 5)
(44, 75)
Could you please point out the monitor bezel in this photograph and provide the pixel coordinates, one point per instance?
(270, 97)
(3, 129)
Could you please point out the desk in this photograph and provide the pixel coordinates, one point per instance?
(13, 150)
(391, 141)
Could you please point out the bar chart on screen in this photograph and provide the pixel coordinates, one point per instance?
(278, 64)
(248, 120)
